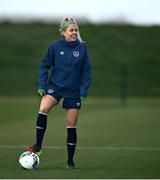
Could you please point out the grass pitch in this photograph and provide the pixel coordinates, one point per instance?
(113, 141)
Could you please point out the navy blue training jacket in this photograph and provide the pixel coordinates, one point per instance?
(70, 74)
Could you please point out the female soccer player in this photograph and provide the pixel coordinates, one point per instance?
(69, 80)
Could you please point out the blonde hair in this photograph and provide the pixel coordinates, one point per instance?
(64, 24)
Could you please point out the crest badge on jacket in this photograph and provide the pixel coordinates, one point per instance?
(75, 53)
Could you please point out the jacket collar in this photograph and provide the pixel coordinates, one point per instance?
(73, 43)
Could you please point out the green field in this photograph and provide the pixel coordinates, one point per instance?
(113, 141)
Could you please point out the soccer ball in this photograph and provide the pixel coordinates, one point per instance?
(29, 160)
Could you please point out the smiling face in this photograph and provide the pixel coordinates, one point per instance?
(71, 32)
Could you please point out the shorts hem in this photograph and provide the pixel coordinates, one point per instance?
(52, 95)
(71, 107)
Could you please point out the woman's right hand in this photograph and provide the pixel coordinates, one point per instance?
(41, 92)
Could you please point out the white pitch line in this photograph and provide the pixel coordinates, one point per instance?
(88, 148)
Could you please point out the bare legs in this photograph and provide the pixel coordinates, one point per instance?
(47, 103)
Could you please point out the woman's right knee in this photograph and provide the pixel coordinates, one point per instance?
(47, 103)
(43, 109)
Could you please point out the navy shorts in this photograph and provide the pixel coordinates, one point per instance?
(68, 103)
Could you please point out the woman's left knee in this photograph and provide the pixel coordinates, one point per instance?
(72, 117)
(72, 122)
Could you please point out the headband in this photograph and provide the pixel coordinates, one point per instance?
(66, 23)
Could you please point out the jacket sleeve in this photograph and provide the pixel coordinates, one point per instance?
(86, 75)
(46, 64)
